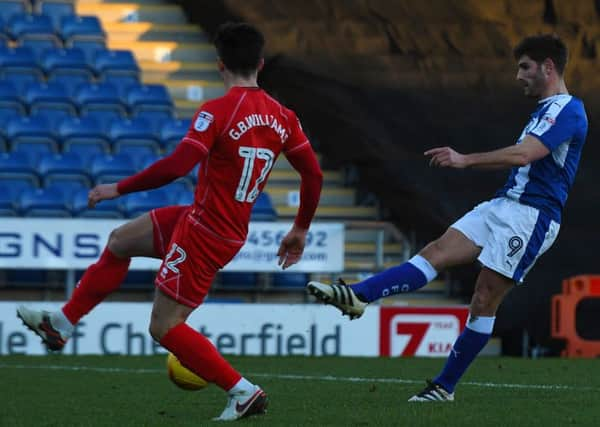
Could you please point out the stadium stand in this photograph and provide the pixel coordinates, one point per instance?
(95, 108)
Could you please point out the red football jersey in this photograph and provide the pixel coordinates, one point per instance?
(243, 133)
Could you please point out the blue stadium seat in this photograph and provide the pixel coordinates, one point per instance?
(39, 44)
(104, 209)
(19, 66)
(132, 130)
(290, 280)
(89, 47)
(8, 8)
(63, 167)
(30, 129)
(135, 204)
(136, 150)
(149, 98)
(121, 82)
(10, 99)
(104, 118)
(173, 130)
(70, 81)
(17, 57)
(18, 166)
(24, 25)
(55, 10)
(263, 209)
(176, 189)
(69, 62)
(35, 150)
(111, 168)
(43, 202)
(240, 280)
(69, 187)
(76, 27)
(52, 114)
(116, 63)
(7, 203)
(6, 114)
(86, 150)
(99, 97)
(15, 186)
(50, 96)
(144, 161)
(156, 118)
(21, 78)
(82, 130)
(185, 198)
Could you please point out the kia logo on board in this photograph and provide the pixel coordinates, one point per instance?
(420, 331)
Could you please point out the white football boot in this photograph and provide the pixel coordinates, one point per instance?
(433, 393)
(244, 404)
(339, 295)
(39, 322)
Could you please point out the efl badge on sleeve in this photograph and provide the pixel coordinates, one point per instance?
(203, 121)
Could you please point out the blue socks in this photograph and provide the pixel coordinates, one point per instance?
(407, 277)
(466, 348)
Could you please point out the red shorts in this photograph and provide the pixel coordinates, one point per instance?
(192, 255)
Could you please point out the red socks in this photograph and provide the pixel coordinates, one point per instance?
(197, 353)
(98, 281)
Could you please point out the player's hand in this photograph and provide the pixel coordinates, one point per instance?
(102, 192)
(446, 157)
(291, 248)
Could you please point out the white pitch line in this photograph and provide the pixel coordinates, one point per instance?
(331, 378)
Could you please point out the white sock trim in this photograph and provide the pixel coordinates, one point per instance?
(61, 323)
(243, 385)
(422, 264)
(483, 325)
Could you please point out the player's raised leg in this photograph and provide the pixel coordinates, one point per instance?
(490, 289)
(197, 353)
(452, 248)
(134, 238)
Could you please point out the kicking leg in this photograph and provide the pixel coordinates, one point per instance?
(134, 238)
(453, 248)
(490, 289)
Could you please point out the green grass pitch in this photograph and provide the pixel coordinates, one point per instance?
(135, 391)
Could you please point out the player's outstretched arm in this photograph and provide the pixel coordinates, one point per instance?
(529, 150)
(179, 163)
(307, 165)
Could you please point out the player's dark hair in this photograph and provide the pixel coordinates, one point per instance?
(240, 46)
(544, 46)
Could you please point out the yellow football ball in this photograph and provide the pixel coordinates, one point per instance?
(182, 377)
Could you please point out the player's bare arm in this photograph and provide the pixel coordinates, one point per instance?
(102, 192)
(292, 246)
(530, 150)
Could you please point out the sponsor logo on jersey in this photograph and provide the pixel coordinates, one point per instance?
(203, 121)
